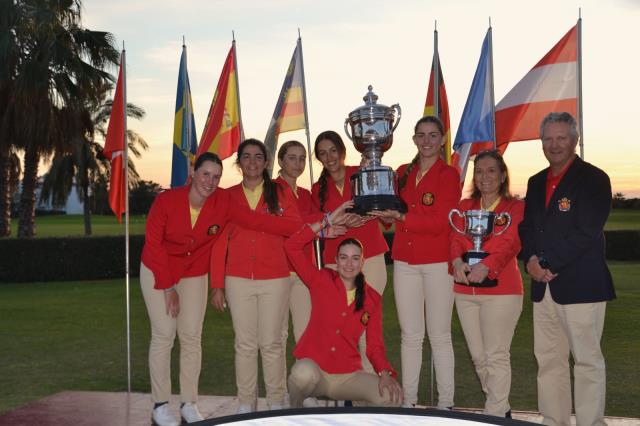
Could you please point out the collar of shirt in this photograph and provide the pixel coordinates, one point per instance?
(253, 196)
(554, 181)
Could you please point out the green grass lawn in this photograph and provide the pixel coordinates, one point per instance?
(73, 225)
(623, 219)
(71, 336)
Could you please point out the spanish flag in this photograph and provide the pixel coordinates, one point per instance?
(442, 110)
(223, 130)
(290, 111)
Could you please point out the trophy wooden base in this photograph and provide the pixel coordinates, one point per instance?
(364, 204)
(472, 258)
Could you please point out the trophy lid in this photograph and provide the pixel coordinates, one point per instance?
(371, 109)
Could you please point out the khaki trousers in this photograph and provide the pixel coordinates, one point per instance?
(307, 379)
(188, 325)
(257, 310)
(375, 273)
(557, 330)
(424, 295)
(488, 323)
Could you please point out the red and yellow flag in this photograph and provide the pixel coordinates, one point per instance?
(442, 111)
(289, 113)
(223, 130)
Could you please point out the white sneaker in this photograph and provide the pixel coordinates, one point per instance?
(408, 405)
(162, 417)
(189, 412)
(310, 402)
(244, 409)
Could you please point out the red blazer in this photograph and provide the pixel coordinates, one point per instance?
(306, 209)
(369, 234)
(253, 253)
(174, 250)
(424, 236)
(331, 338)
(503, 249)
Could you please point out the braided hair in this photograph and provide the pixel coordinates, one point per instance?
(426, 119)
(324, 176)
(359, 280)
(270, 188)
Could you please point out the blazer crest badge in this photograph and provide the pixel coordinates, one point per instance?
(564, 204)
(428, 198)
(364, 319)
(213, 229)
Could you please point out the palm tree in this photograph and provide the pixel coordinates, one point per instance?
(83, 161)
(61, 69)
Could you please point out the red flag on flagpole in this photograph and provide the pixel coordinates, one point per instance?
(114, 147)
(549, 86)
(223, 130)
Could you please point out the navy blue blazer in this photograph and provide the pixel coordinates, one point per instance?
(569, 234)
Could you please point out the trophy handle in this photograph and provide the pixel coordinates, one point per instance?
(508, 216)
(453, 225)
(346, 129)
(397, 108)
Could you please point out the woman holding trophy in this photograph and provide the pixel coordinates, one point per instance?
(489, 311)
(422, 284)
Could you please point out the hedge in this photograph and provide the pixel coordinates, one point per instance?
(97, 258)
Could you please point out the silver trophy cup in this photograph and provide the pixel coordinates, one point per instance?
(478, 226)
(370, 128)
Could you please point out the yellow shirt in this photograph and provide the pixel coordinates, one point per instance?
(493, 206)
(253, 196)
(194, 216)
(351, 296)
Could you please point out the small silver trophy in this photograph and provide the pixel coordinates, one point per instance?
(375, 186)
(478, 226)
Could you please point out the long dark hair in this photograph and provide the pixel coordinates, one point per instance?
(270, 187)
(324, 176)
(359, 281)
(207, 156)
(504, 191)
(426, 119)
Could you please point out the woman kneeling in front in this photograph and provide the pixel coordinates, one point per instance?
(343, 306)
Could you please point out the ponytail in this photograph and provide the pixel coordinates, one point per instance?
(359, 291)
(270, 192)
(322, 194)
(403, 179)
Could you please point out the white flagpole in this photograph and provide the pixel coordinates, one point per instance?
(316, 242)
(493, 100)
(235, 69)
(579, 81)
(126, 215)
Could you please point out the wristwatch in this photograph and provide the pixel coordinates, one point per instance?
(543, 262)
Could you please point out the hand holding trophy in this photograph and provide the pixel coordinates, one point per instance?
(478, 226)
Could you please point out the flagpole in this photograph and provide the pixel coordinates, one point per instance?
(186, 100)
(126, 215)
(579, 81)
(436, 73)
(235, 66)
(316, 242)
(493, 99)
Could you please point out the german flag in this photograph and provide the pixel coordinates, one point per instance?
(442, 111)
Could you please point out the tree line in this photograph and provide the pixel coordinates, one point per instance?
(55, 85)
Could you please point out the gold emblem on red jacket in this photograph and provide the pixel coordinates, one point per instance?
(428, 198)
(564, 204)
(364, 319)
(213, 229)
(501, 221)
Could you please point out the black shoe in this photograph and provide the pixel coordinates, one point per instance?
(348, 403)
(508, 414)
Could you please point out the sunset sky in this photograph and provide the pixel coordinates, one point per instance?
(350, 44)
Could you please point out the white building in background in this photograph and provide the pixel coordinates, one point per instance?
(73, 205)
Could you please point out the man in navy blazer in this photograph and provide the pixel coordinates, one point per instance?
(566, 208)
